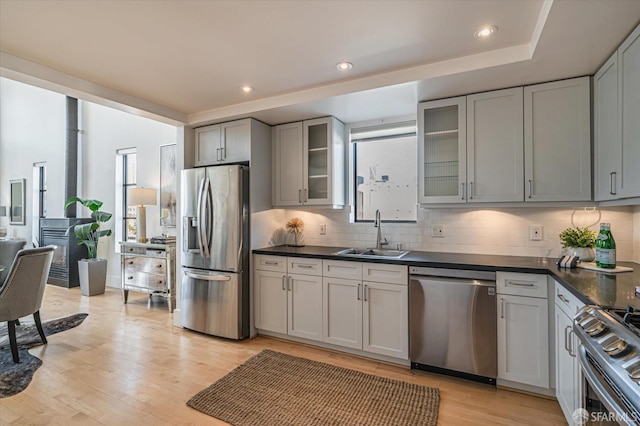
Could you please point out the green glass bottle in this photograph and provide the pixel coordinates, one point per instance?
(605, 247)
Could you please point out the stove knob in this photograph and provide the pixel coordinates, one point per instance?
(596, 328)
(616, 347)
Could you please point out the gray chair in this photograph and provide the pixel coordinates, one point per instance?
(8, 251)
(21, 293)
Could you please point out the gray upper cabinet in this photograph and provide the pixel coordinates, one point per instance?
(617, 123)
(223, 143)
(442, 141)
(557, 141)
(494, 146)
(471, 149)
(629, 111)
(607, 143)
(308, 163)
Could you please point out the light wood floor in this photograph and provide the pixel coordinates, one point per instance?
(127, 364)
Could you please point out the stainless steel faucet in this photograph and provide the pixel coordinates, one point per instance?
(378, 224)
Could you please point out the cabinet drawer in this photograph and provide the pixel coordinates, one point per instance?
(379, 272)
(270, 263)
(519, 284)
(342, 269)
(300, 265)
(567, 302)
(156, 253)
(143, 280)
(133, 249)
(145, 264)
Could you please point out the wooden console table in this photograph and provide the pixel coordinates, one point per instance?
(149, 268)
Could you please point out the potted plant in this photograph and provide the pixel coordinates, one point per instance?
(92, 271)
(579, 242)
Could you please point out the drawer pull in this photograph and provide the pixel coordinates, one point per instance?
(305, 266)
(271, 263)
(130, 262)
(159, 266)
(521, 284)
(564, 299)
(129, 278)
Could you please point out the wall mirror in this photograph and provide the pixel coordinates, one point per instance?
(17, 211)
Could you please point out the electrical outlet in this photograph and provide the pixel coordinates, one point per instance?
(437, 231)
(323, 229)
(535, 232)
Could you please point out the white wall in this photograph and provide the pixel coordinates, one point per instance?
(33, 129)
(107, 130)
(496, 231)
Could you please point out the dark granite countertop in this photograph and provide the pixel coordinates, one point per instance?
(609, 290)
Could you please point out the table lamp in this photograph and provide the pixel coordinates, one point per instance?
(141, 197)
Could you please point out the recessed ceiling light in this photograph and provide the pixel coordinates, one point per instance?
(344, 66)
(486, 31)
(247, 89)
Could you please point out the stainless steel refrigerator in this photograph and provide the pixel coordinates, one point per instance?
(215, 250)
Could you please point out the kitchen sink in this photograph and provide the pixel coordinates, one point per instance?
(372, 253)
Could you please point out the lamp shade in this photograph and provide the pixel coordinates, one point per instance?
(142, 197)
(3, 211)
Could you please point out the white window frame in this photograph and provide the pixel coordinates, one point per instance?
(119, 205)
(351, 159)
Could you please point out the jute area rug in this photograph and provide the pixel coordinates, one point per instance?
(277, 389)
(15, 378)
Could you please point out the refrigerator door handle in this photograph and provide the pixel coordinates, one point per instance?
(207, 277)
(205, 219)
(200, 215)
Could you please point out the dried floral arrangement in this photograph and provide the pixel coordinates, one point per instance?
(295, 226)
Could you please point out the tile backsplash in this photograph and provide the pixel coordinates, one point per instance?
(482, 231)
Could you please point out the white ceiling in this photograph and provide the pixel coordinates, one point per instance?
(186, 60)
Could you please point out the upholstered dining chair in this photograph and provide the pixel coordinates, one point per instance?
(8, 251)
(21, 293)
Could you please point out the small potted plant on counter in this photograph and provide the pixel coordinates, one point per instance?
(579, 242)
(92, 271)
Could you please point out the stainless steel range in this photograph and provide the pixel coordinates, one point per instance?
(610, 360)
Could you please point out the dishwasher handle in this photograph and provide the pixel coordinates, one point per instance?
(422, 271)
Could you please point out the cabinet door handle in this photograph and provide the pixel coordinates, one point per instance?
(217, 154)
(571, 351)
(471, 191)
(530, 188)
(289, 284)
(462, 190)
(358, 292)
(566, 339)
(306, 195)
(520, 284)
(613, 177)
(300, 196)
(365, 292)
(284, 277)
(501, 308)
(223, 153)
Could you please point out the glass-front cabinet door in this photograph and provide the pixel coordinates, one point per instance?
(317, 179)
(442, 151)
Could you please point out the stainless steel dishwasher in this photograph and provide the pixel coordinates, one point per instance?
(452, 322)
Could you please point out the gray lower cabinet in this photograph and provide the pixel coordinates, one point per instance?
(569, 377)
(148, 268)
(355, 305)
(523, 331)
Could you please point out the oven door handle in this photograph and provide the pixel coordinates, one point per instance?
(604, 397)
